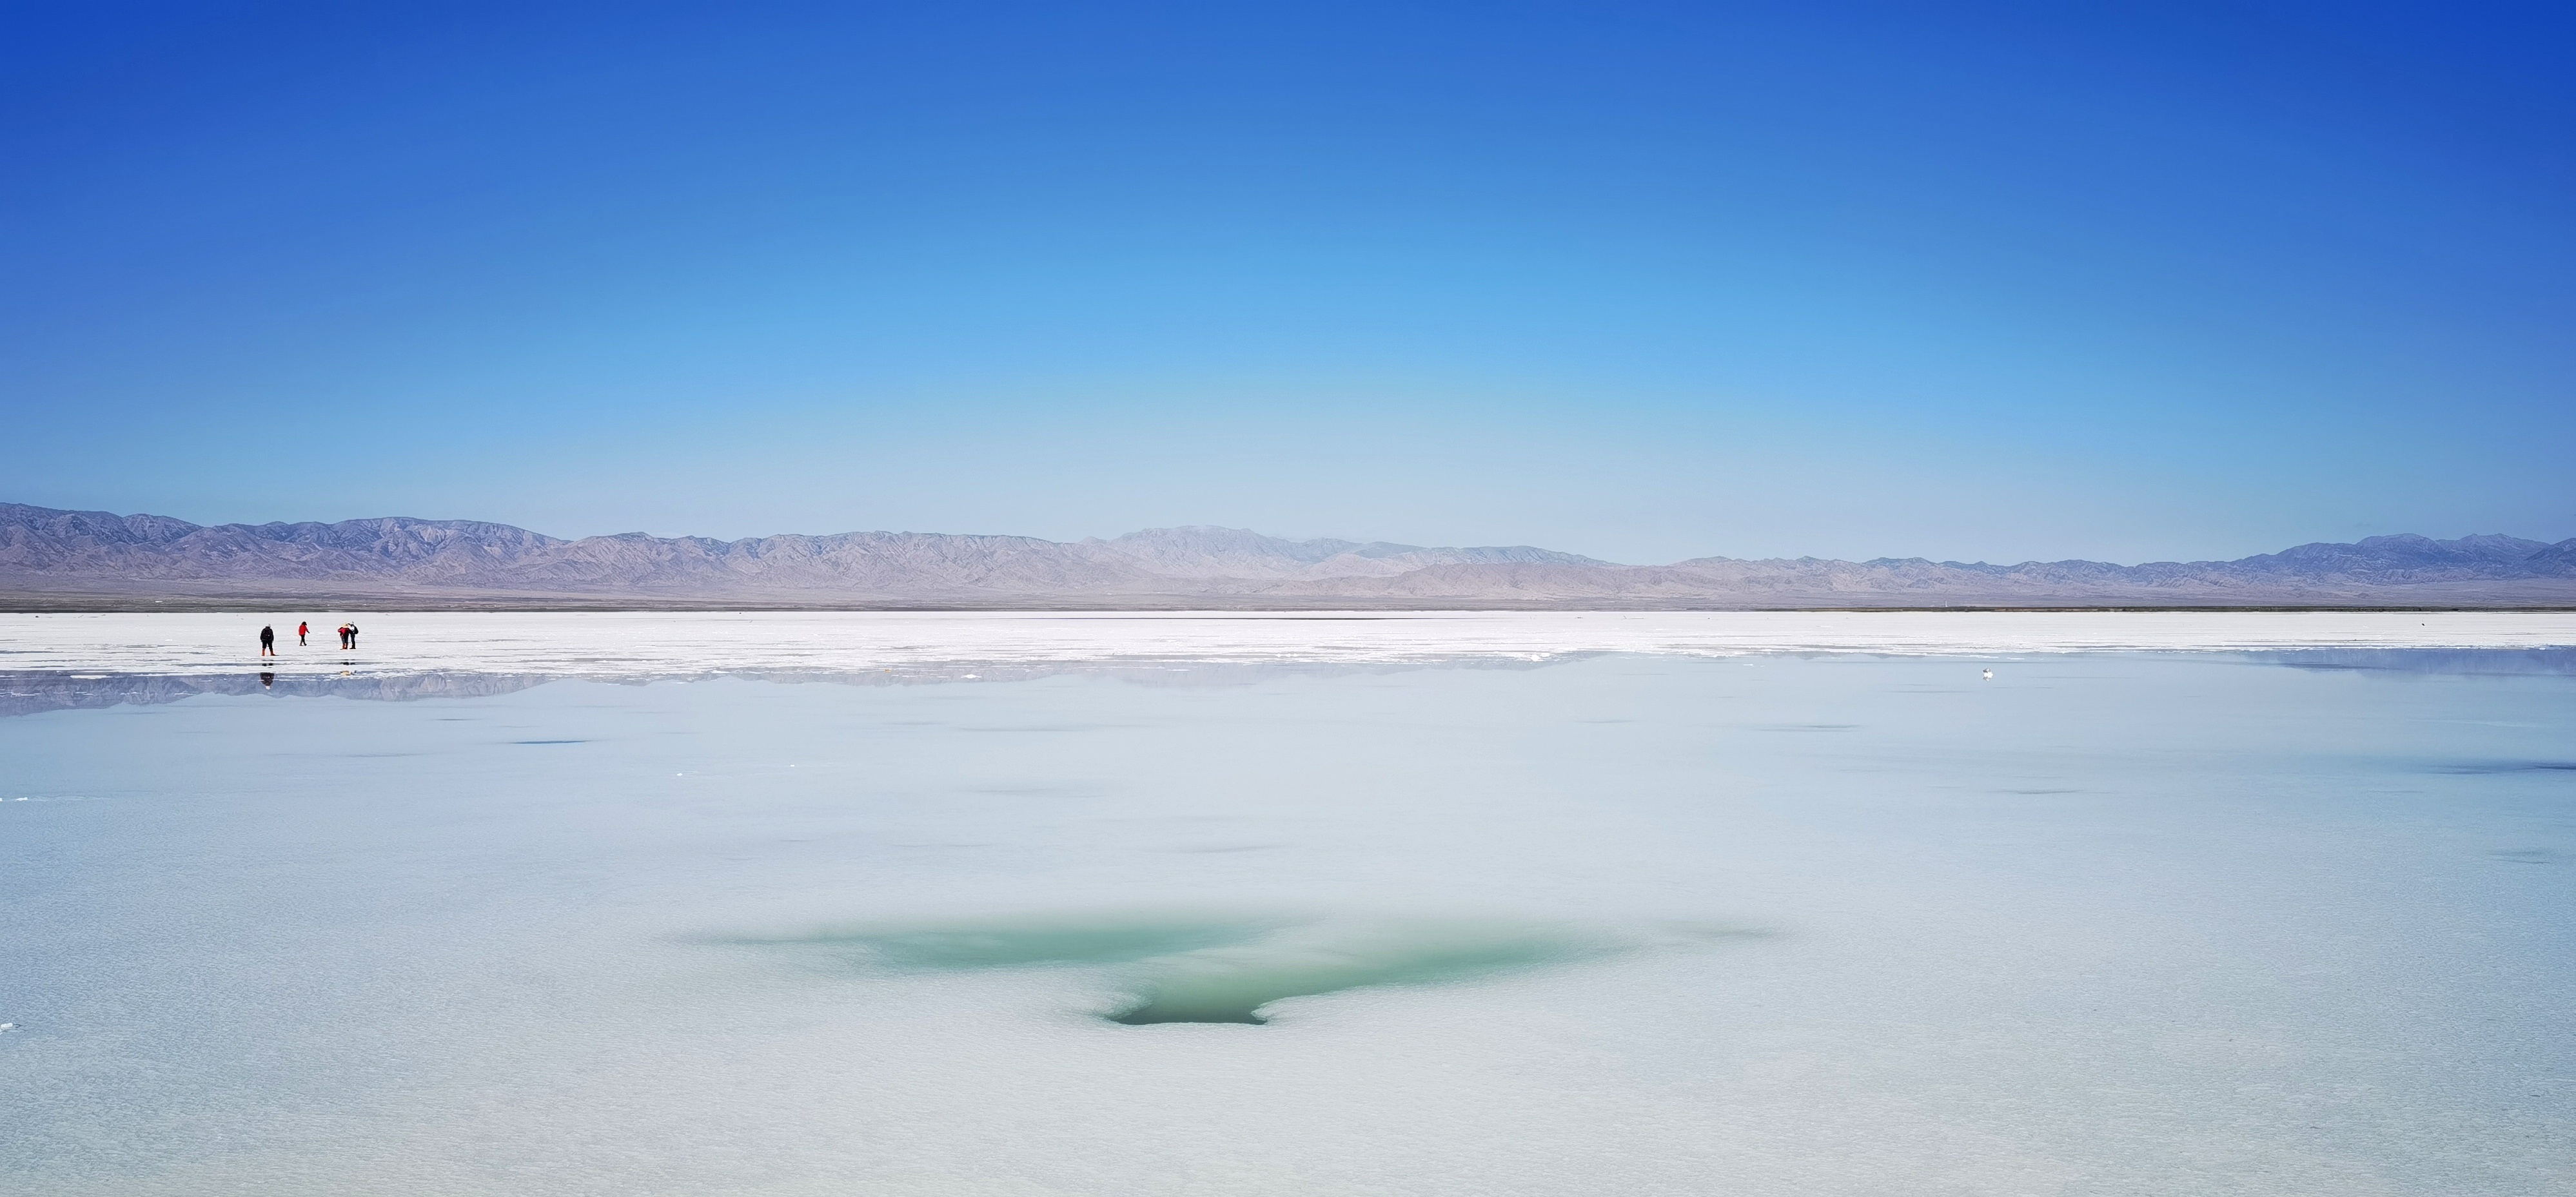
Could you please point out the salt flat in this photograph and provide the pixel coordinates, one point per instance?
(1677, 902)
(1844, 924)
(666, 644)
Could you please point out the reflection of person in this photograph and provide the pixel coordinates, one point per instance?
(301, 628)
(268, 642)
(267, 679)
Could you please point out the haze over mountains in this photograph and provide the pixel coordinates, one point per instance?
(56, 559)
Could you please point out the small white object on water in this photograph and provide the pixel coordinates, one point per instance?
(1990, 674)
(8, 1026)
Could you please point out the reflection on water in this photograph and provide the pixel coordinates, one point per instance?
(32, 692)
(2458, 661)
(35, 693)
(2505, 767)
(29, 693)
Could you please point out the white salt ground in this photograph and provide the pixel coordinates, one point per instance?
(669, 644)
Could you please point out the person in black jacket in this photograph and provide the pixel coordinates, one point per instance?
(268, 642)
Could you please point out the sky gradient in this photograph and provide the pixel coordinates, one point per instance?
(1641, 282)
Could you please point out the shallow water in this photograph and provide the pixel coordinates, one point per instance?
(1638, 923)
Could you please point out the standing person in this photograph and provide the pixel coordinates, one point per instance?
(301, 628)
(344, 635)
(268, 642)
(353, 633)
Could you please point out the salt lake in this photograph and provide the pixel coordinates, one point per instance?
(1500, 903)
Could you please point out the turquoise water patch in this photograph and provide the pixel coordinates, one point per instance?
(1231, 969)
(1237, 983)
(1024, 942)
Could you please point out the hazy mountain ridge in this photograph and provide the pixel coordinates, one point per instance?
(45, 552)
(1198, 551)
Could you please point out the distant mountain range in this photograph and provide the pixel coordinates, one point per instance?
(51, 559)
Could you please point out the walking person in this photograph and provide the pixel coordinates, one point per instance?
(301, 628)
(268, 642)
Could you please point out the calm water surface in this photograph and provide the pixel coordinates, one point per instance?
(2125, 924)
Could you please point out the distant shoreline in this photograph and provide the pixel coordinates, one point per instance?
(42, 603)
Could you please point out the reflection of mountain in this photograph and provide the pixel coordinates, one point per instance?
(26, 693)
(30, 693)
(66, 558)
(2557, 661)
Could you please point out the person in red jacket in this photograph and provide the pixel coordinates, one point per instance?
(301, 628)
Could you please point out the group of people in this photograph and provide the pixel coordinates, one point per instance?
(268, 637)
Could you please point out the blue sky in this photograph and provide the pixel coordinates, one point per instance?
(1646, 282)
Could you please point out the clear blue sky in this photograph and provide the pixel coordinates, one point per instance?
(1645, 282)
